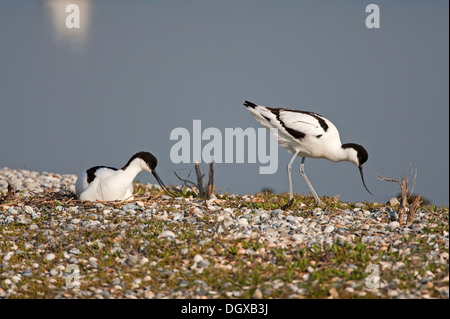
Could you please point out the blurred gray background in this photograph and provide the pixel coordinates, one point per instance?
(74, 98)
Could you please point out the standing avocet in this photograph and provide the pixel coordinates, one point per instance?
(104, 183)
(308, 134)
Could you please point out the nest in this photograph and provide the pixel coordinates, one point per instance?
(54, 198)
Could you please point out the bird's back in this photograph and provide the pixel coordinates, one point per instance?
(309, 133)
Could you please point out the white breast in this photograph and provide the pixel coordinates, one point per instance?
(106, 186)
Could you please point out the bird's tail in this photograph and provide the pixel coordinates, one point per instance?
(250, 104)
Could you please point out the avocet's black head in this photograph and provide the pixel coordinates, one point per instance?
(148, 159)
(361, 157)
(150, 162)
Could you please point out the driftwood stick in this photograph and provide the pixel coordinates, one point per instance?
(201, 191)
(412, 210)
(388, 179)
(404, 199)
(211, 179)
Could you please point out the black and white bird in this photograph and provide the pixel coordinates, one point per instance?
(104, 183)
(308, 134)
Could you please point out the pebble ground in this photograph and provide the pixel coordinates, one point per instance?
(230, 246)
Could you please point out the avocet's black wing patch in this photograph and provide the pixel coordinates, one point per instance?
(295, 133)
(300, 123)
(323, 124)
(90, 173)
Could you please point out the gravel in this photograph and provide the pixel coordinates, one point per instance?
(45, 233)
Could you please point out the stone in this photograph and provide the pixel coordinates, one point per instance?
(93, 262)
(333, 293)
(243, 222)
(197, 258)
(27, 273)
(49, 257)
(74, 251)
(257, 294)
(28, 209)
(167, 234)
(132, 260)
(299, 238)
(328, 229)
(8, 256)
(204, 263)
(394, 201)
(23, 220)
(143, 261)
(365, 227)
(393, 225)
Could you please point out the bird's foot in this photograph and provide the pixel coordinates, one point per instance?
(288, 204)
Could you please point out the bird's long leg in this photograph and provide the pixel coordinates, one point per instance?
(291, 192)
(302, 172)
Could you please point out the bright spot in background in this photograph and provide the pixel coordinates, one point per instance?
(74, 38)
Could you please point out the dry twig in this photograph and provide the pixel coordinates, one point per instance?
(412, 209)
(404, 197)
(211, 180)
(203, 191)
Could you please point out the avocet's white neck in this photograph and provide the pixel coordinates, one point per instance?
(129, 173)
(345, 154)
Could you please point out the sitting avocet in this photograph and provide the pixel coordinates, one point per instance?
(104, 183)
